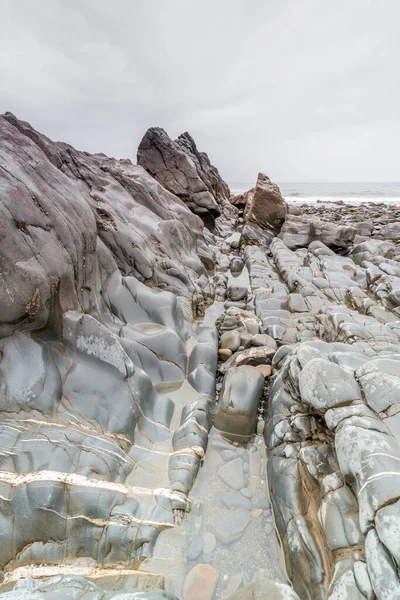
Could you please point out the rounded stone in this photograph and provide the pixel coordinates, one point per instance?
(200, 583)
(195, 548)
(266, 370)
(210, 543)
(224, 353)
(246, 492)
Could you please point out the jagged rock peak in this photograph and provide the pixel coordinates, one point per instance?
(184, 171)
(69, 219)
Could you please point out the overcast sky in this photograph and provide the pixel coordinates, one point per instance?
(304, 90)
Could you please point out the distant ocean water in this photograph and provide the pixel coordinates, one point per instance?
(352, 193)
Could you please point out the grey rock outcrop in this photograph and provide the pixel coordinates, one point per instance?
(299, 232)
(184, 171)
(100, 280)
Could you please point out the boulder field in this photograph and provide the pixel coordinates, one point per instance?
(198, 393)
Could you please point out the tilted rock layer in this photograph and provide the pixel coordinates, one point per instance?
(184, 171)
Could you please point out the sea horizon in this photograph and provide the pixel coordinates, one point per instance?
(349, 192)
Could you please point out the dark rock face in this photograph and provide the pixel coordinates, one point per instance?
(184, 171)
(69, 219)
(265, 205)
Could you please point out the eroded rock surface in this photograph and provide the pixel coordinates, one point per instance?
(265, 205)
(105, 386)
(114, 357)
(184, 171)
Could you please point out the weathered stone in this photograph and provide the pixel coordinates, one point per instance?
(209, 543)
(265, 205)
(229, 528)
(251, 357)
(200, 583)
(184, 171)
(224, 353)
(236, 413)
(231, 473)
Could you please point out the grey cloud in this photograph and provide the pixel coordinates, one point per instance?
(302, 89)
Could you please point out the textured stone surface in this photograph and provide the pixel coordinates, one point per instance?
(265, 205)
(184, 171)
(100, 280)
(200, 583)
(108, 382)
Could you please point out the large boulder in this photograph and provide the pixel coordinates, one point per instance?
(265, 205)
(236, 413)
(300, 231)
(184, 171)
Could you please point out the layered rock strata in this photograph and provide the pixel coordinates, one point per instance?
(101, 278)
(109, 382)
(184, 171)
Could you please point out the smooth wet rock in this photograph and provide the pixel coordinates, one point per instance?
(266, 370)
(236, 265)
(237, 293)
(236, 412)
(261, 339)
(230, 340)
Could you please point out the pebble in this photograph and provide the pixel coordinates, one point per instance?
(229, 527)
(260, 426)
(200, 583)
(229, 454)
(210, 543)
(195, 548)
(257, 512)
(235, 500)
(246, 492)
(266, 370)
(269, 528)
(224, 353)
